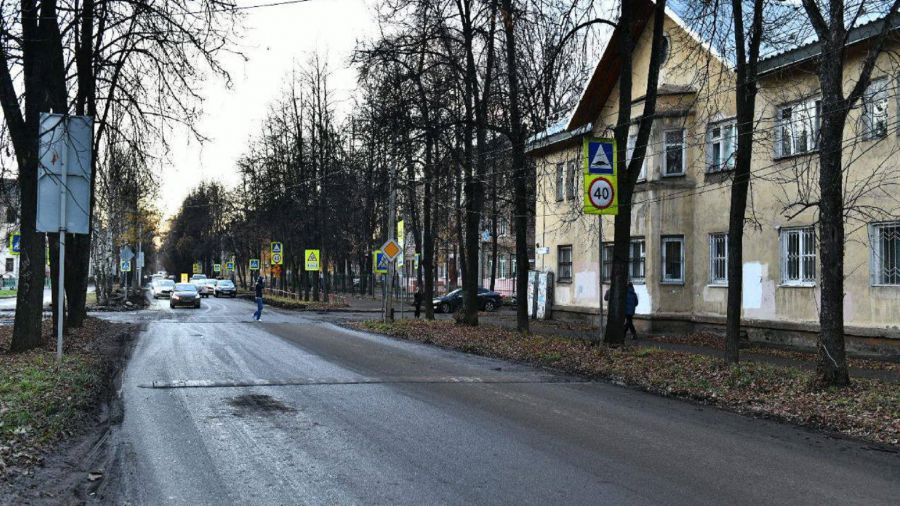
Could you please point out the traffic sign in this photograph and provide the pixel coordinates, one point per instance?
(277, 259)
(276, 270)
(229, 266)
(401, 233)
(277, 253)
(184, 277)
(380, 262)
(600, 177)
(217, 267)
(125, 266)
(198, 269)
(125, 253)
(416, 262)
(312, 257)
(277, 247)
(15, 243)
(254, 264)
(391, 249)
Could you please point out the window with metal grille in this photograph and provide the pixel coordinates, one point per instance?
(674, 155)
(875, 109)
(718, 259)
(673, 259)
(564, 263)
(798, 256)
(560, 182)
(884, 239)
(607, 261)
(636, 259)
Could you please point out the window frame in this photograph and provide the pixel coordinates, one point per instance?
(716, 260)
(571, 179)
(876, 271)
(560, 264)
(722, 141)
(664, 275)
(630, 146)
(868, 97)
(10, 265)
(805, 235)
(641, 262)
(560, 182)
(665, 153)
(813, 104)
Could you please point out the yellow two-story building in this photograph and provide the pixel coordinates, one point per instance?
(681, 202)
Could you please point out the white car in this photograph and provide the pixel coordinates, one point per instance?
(205, 287)
(162, 288)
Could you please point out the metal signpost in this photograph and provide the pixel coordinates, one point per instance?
(64, 188)
(601, 188)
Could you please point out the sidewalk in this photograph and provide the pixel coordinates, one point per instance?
(699, 344)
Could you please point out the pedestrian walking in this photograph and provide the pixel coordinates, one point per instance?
(631, 302)
(259, 299)
(417, 300)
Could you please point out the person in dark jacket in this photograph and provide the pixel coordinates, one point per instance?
(631, 302)
(417, 301)
(259, 299)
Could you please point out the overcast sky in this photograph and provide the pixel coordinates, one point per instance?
(275, 38)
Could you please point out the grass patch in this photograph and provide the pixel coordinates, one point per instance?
(7, 293)
(299, 304)
(868, 409)
(43, 401)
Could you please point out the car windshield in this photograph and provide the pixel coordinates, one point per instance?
(185, 287)
(458, 291)
(166, 283)
(225, 283)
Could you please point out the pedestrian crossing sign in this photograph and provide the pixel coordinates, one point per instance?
(217, 267)
(126, 266)
(380, 262)
(312, 257)
(198, 269)
(254, 264)
(229, 266)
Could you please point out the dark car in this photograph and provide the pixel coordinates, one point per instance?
(225, 288)
(487, 301)
(185, 294)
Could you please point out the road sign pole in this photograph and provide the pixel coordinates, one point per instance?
(60, 284)
(392, 224)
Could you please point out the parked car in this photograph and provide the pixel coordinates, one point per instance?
(205, 287)
(196, 277)
(225, 288)
(487, 301)
(185, 294)
(162, 288)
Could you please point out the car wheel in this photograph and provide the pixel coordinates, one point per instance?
(490, 306)
(445, 307)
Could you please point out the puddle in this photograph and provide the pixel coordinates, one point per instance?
(258, 404)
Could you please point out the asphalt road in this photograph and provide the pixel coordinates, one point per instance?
(295, 410)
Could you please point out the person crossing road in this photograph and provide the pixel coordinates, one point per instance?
(259, 299)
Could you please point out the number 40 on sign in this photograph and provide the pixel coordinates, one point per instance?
(600, 177)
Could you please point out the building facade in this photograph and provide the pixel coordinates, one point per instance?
(681, 202)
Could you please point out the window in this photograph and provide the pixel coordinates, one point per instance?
(570, 181)
(637, 255)
(629, 152)
(721, 147)
(798, 256)
(718, 259)
(606, 266)
(884, 239)
(10, 264)
(636, 259)
(11, 214)
(512, 265)
(797, 128)
(564, 263)
(874, 114)
(673, 163)
(673, 259)
(560, 182)
(664, 48)
(502, 267)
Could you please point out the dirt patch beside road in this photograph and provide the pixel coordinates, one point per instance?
(53, 416)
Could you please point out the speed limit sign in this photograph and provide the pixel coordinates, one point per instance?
(600, 177)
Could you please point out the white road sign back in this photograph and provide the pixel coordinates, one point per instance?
(65, 151)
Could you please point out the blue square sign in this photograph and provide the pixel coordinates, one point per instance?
(600, 158)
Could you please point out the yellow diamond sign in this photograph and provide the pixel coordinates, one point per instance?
(391, 249)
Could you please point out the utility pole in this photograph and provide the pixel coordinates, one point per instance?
(392, 225)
